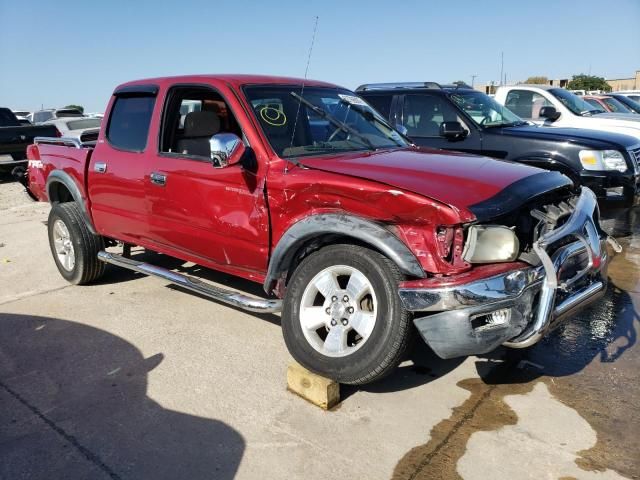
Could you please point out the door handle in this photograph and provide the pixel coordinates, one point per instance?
(158, 178)
(100, 167)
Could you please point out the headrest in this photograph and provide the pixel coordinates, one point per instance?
(201, 124)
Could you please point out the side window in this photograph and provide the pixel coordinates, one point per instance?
(192, 115)
(39, 117)
(382, 103)
(129, 121)
(526, 104)
(423, 115)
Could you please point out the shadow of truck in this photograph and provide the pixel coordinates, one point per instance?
(74, 404)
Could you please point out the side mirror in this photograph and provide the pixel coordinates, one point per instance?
(452, 130)
(226, 149)
(550, 113)
(402, 129)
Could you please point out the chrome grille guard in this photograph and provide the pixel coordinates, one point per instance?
(580, 227)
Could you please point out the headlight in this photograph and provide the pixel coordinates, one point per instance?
(603, 160)
(490, 243)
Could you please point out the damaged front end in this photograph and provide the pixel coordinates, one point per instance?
(558, 264)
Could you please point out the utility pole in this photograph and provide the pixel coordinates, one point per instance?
(501, 66)
(473, 80)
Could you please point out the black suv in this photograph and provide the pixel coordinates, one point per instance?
(463, 119)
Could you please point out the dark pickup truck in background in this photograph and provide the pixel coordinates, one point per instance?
(463, 119)
(14, 139)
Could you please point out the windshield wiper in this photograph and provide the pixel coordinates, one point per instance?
(591, 112)
(341, 125)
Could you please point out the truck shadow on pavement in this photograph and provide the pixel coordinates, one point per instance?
(74, 404)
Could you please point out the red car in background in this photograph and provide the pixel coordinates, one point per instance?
(355, 234)
(607, 104)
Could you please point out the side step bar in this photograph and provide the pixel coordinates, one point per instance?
(245, 302)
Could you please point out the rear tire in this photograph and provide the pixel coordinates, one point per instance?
(342, 316)
(74, 248)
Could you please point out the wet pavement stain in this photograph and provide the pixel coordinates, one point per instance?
(483, 410)
(590, 364)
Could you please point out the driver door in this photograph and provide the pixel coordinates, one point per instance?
(214, 216)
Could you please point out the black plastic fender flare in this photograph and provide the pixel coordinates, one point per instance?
(366, 231)
(555, 164)
(60, 176)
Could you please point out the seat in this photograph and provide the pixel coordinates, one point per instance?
(423, 107)
(428, 128)
(199, 127)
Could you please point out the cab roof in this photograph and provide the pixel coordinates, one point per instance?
(235, 80)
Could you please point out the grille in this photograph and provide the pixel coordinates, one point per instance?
(635, 155)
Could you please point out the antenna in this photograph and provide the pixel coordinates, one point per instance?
(306, 70)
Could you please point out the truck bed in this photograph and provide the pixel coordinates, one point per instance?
(51, 153)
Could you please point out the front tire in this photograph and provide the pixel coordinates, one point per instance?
(74, 248)
(342, 316)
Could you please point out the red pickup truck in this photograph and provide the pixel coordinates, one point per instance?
(355, 234)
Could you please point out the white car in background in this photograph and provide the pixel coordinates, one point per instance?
(94, 115)
(84, 129)
(42, 116)
(557, 107)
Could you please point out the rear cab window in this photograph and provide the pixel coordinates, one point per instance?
(83, 123)
(129, 121)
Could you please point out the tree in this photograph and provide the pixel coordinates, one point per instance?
(77, 107)
(461, 83)
(588, 82)
(539, 80)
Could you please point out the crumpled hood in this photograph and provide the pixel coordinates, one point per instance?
(468, 183)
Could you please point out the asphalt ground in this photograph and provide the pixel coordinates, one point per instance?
(132, 378)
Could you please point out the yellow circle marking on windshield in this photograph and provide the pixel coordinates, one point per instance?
(273, 116)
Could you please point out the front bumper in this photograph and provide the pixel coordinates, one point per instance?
(613, 189)
(516, 308)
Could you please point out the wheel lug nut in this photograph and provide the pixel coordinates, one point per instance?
(328, 310)
(351, 309)
(345, 322)
(334, 298)
(333, 323)
(345, 299)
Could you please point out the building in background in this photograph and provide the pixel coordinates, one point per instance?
(632, 83)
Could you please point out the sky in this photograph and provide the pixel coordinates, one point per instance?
(55, 53)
